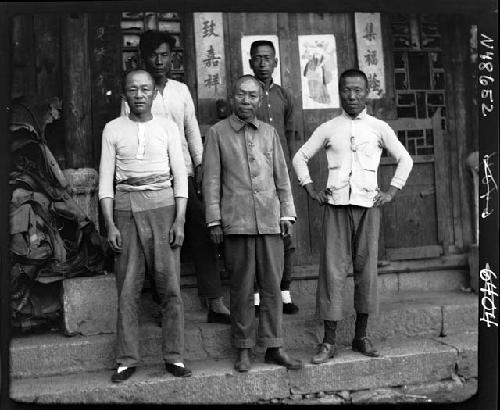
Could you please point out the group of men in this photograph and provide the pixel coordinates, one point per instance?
(153, 165)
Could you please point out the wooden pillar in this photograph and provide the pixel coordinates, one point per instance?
(76, 90)
(106, 73)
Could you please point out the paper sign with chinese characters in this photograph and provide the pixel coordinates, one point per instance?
(370, 51)
(246, 42)
(210, 61)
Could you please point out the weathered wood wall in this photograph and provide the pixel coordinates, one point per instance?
(78, 58)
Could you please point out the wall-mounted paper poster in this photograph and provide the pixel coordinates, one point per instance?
(209, 43)
(318, 66)
(370, 51)
(246, 42)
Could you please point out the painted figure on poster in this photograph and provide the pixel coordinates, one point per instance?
(317, 78)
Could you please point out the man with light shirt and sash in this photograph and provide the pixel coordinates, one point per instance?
(144, 220)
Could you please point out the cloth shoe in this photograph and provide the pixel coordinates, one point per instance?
(324, 352)
(280, 357)
(364, 346)
(290, 308)
(215, 317)
(119, 377)
(257, 310)
(243, 363)
(177, 371)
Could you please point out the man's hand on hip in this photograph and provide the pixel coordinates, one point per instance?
(216, 234)
(114, 238)
(321, 196)
(176, 234)
(384, 197)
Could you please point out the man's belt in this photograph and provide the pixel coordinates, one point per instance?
(152, 179)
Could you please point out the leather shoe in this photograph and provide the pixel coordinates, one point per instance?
(123, 375)
(177, 371)
(324, 352)
(280, 357)
(290, 308)
(216, 317)
(243, 362)
(364, 346)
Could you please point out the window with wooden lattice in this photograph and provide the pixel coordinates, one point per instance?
(133, 24)
(419, 76)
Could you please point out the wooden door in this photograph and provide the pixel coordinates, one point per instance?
(416, 225)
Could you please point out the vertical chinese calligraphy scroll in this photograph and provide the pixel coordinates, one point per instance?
(210, 60)
(370, 51)
(246, 42)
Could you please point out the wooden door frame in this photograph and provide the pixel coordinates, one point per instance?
(441, 183)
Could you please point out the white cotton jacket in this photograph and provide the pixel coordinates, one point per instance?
(353, 150)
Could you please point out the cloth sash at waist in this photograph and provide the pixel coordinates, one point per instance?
(151, 179)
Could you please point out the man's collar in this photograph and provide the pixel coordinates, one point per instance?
(360, 116)
(271, 83)
(238, 124)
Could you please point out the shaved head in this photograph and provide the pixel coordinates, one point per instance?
(128, 74)
(244, 78)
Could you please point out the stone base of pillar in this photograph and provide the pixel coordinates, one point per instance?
(84, 183)
(90, 305)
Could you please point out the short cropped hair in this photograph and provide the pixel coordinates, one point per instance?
(126, 74)
(246, 77)
(353, 72)
(261, 43)
(152, 39)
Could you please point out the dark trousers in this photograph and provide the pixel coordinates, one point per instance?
(286, 279)
(250, 257)
(201, 248)
(145, 239)
(350, 240)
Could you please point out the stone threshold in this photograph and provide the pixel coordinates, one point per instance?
(402, 363)
(402, 315)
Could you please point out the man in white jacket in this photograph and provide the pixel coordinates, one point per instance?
(353, 142)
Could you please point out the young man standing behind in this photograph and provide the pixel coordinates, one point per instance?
(277, 110)
(174, 101)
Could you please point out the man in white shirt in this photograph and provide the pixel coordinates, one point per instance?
(353, 142)
(174, 101)
(144, 220)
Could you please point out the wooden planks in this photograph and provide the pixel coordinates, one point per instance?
(285, 27)
(23, 57)
(104, 36)
(47, 53)
(76, 91)
(290, 79)
(455, 61)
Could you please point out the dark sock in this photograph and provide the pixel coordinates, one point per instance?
(361, 322)
(330, 327)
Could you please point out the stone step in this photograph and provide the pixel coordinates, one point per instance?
(402, 315)
(402, 363)
(89, 303)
